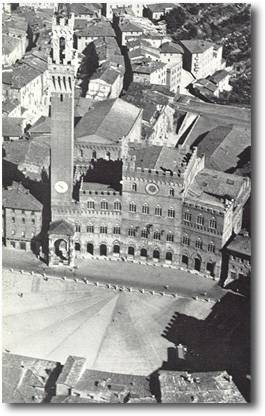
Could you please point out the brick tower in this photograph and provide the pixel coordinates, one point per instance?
(62, 71)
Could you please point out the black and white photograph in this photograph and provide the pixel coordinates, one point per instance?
(126, 203)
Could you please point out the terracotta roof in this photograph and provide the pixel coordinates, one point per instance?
(61, 227)
(196, 45)
(72, 369)
(81, 9)
(214, 186)
(12, 126)
(24, 378)
(108, 121)
(17, 197)
(160, 7)
(219, 75)
(15, 151)
(160, 158)
(205, 86)
(171, 47)
(207, 387)
(106, 74)
(42, 126)
(241, 244)
(148, 67)
(7, 75)
(127, 26)
(9, 43)
(94, 381)
(9, 105)
(32, 65)
(99, 28)
(14, 24)
(223, 145)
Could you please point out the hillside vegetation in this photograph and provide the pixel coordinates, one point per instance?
(227, 24)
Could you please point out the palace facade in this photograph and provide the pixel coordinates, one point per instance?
(167, 208)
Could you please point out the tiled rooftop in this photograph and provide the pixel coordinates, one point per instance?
(31, 66)
(100, 28)
(214, 186)
(107, 121)
(148, 67)
(17, 197)
(9, 44)
(241, 244)
(61, 227)
(24, 378)
(161, 158)
(12, 126)
(208, 387)
(171, 47)
(196, 45)
(127, 26)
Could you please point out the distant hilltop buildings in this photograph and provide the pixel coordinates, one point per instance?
(137, 172)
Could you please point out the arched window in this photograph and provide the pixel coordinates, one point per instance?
(90, 248)
(169, 256)
(81, 153)
(186, 240)
(90, 204)
(171, 213)
(200, 220)
(171, 192)
(116, 230)
(131, 251)
(156, 254)
(77, 247)
(77, 228)
(104, 205)
(158, 211)
(144, 233)
(132, 207)
(117, 206)
(116, 249)
(211, 247)
(157, 235)
(62, 48)
(198, 243)
(187, 216)
(145, 209)
(185, 260)
(131, 232)
(143, 252)
(90, 229)
(94, 154)
(103, 229)
(170, 237)
(107, 155)
(102, 250)
(212, 223)
(134, 187)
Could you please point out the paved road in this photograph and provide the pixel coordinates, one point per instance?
(240, 116)
(120, 273)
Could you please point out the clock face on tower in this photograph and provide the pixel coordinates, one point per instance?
(61, 187)
(152, 188)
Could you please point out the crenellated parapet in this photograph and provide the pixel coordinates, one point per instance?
(187, 164)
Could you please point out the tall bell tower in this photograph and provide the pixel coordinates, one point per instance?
(62, 72)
